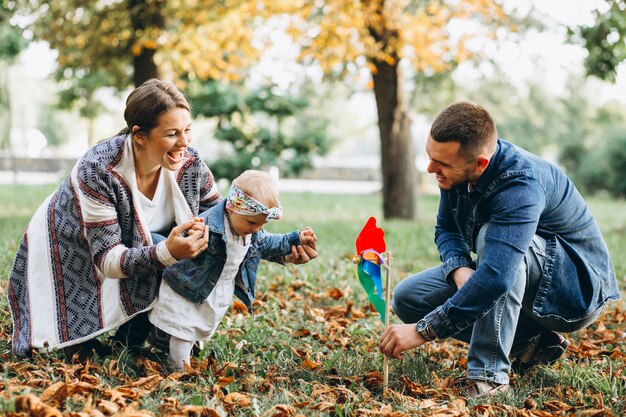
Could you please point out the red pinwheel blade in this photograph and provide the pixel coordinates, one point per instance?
(371, 237)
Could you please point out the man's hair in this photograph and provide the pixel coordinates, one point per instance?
(259, 185)
(466, 123)
(147, 102)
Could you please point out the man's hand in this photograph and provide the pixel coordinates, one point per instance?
(461, 275)
(191, 245)
(306, 251)
(398, 338)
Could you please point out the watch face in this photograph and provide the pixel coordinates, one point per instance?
(421, 325)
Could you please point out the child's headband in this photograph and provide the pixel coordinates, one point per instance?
(241, 203)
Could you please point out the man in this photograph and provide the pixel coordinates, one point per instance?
(541, 264)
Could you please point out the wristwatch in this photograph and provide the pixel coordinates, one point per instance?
(423, 329)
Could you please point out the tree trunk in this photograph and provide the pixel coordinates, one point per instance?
(146, 18)
(396, 146)
(144, 67)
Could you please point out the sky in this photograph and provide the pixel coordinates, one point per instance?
(539, 56)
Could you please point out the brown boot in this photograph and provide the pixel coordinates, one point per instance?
(546, 349)
(475, 388)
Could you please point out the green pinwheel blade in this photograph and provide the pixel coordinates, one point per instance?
(367, 282)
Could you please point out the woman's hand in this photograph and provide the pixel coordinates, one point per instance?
(189, 239)
(303, 253)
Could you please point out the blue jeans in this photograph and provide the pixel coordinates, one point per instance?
(506, 330)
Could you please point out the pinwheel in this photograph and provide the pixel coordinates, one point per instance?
(370, 244)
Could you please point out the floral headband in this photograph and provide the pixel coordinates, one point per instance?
(241, 203)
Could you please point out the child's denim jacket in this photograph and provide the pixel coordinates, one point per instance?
(195, 278)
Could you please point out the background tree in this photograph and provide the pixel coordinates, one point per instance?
(217, 39)
(263, 127)
(340, 35)
(601, 165)
(605, 40)
(117, 38)
(11, 44)
(140, 39)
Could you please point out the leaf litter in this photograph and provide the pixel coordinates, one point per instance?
(315, 331)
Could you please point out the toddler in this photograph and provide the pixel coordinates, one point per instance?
(196, 293)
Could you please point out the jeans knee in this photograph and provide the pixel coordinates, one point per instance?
(402, 303)
(409, 305)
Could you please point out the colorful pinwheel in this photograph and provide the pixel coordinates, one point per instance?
(370, 244)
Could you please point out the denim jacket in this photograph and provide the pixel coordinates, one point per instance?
(521, 195)
(195, 278)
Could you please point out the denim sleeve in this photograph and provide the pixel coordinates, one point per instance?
(453, 249)
(275, 246)
(515, 208)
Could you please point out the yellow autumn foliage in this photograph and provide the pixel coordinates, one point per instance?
(220, 38)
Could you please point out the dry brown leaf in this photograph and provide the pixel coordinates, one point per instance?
(373, 379)
(384, 412)
(297, 284)
(301, 333)
(280, 410)
(34, 382)
(199, 410)
(449, 412)
(149, 367)
(302, 404)
(412, 387)
(322, 406)
(148, 383)
(236, 400)
(555, 405)
(310, 365)
(168, 406)
(130, 411)
(334, 293)
(530, 403)
(108, 407)
(121, 394)
(539, 413)
(58, 388)
(483, 410)
(595, 413)
(35, 407)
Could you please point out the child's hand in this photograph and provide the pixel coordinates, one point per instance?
(188, 240)
(198, 224)
(308, 238)
(307, 249)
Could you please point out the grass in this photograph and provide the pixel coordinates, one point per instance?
(316, 354)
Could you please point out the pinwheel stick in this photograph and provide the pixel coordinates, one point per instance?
(387, 299)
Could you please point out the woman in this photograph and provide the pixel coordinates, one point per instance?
(87, 263)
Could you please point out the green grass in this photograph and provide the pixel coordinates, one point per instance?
(264, 354)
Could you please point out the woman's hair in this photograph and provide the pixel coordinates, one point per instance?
(259, 185)
(147, 102)
(466, 123)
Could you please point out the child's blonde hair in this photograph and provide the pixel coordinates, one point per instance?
(259, 185)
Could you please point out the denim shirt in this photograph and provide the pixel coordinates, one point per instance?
(521, 195)
(195, 278)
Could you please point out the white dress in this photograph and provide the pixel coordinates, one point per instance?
(185, 320)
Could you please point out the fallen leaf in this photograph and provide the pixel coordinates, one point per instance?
(34, 407)
(236, 400)
(280, 410)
